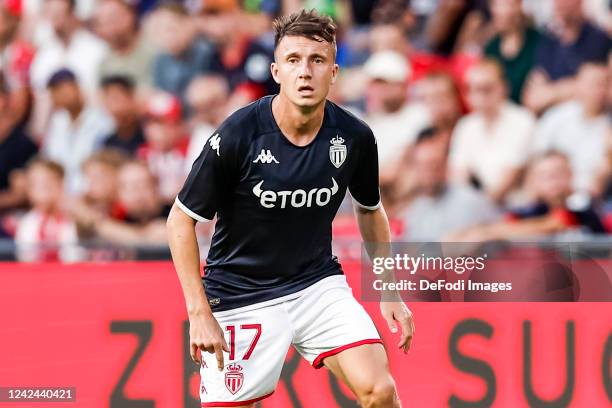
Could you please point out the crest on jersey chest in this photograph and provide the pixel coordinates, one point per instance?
(337, 151)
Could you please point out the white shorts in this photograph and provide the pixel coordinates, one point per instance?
(319, 321)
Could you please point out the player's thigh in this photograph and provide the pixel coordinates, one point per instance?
(363, 369)
(332, 329)
(258, 341)
(328, 319)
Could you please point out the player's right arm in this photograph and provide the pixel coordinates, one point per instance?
(206, 189)
(204, 330)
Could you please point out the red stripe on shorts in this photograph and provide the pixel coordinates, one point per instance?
(234, 403)
(318, 362)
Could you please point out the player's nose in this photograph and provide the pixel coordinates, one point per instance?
(305, 70)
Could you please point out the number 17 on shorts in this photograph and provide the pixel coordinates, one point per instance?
(253, 365)
(234, 377)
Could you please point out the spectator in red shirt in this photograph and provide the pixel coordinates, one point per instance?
(99, 199)
(16, 57)
(165, 150)
(45, 233)
(145, 213)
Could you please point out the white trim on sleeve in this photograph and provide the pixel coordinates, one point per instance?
(371, 208)
(189, 212)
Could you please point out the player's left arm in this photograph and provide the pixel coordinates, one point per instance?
(374, 228)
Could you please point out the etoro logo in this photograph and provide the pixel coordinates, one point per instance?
(297, 198)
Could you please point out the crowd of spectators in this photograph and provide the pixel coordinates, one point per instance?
(492, 116)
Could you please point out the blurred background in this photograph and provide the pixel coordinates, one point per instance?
(492, 117)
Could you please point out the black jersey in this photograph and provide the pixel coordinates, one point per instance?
(275, 201)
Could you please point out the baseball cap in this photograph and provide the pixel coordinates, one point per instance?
(164, 106)
(14, 7)
(59, 76)
(389, 66)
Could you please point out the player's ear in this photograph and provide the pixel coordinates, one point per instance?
(274, 71)
(335, 70)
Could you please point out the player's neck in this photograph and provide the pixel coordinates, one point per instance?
(298, 125)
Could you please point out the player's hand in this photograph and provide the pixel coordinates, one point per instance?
(398, 312)
(206, 334)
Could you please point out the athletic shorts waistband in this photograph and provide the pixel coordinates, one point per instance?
(338, 280)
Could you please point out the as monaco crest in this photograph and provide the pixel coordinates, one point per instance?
(337, 151)
(234, 377)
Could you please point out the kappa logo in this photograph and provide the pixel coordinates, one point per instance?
(337, 151)
(215, 143)
(298, 198)
(265, 156)
(234, 377)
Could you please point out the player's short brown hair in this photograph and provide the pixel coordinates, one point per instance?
(305, 23)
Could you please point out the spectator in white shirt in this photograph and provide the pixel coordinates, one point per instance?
(490, 146)
(70, 46)
(76, 129)
(167, 140)
(579, 128)
(394, 121)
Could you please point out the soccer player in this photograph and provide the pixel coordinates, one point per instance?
(274, 174)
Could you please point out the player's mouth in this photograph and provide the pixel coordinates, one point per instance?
(305, 90)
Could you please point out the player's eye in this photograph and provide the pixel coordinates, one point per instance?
(318, 60)
(292, 60)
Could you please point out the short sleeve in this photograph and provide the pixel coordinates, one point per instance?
(364, 185)
(210, 179)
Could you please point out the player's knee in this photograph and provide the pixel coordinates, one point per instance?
(380, 394)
